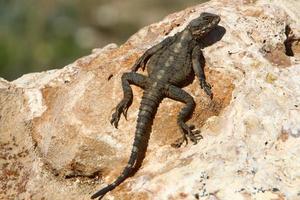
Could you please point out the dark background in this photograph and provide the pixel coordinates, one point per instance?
(37, 35)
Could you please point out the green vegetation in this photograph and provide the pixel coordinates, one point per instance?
(40, 35)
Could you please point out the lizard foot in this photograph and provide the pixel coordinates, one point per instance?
(206, 87)
(189, 132)
(139, 63)
(122, 107)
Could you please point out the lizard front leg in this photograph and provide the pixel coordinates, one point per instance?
(142, 61)
(122, 107)
(179, 94)
(198, 64)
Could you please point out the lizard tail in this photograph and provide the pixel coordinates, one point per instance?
(147, 110)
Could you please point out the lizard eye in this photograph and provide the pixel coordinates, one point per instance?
(206, 18)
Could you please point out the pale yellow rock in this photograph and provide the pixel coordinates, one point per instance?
(57, 143)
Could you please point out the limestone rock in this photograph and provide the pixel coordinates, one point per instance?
(57, 143)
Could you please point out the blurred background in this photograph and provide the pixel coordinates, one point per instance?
(37, 35)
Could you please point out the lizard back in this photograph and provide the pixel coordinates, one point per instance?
(172, 64)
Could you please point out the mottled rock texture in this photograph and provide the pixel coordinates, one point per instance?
(57, 143)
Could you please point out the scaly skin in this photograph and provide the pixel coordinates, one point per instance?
(169, 64)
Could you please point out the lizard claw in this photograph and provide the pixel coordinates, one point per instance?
(179, 142)
(206, 87)
(188, 132)
(139, 63)
(125, 112)
(122, 108)
(135, 68)
(191, 133)
(195, 136)
(115, 120)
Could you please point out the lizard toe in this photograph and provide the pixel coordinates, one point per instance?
(177, 144)
(115, 120)
(195, 136)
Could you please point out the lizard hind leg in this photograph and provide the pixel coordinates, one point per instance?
(122, 107)
(187, 131)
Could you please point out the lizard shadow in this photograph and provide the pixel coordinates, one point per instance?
(212, 37)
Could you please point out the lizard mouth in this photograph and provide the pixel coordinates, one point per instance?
(205, 30)
(201, 32)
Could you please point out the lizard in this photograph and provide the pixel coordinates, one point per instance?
(169, 64)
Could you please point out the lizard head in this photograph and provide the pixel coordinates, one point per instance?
(203, 24)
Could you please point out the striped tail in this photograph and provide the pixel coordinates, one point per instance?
(147, 111)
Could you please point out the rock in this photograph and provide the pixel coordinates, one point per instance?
(57, 143)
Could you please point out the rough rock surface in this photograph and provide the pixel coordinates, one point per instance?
(56, 141)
